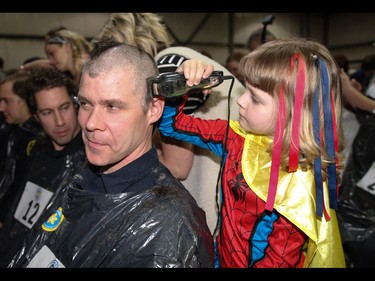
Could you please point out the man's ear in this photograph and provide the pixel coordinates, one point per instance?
(156, 109)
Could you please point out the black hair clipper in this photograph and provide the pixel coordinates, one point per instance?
(173, 84)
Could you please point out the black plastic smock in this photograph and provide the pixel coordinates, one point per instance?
(138, 216)
(47, 169)
(356, 207)
(15, 153)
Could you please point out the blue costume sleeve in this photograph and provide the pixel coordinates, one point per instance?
(208, 134)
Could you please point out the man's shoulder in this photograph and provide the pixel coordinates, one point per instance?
(173, 199)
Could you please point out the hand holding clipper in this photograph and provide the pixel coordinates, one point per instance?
(173, 84)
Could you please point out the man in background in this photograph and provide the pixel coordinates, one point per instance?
(53, 158)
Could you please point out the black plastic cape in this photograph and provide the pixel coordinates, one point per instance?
(50, 170)
(15, 152)
(356, 207)
(159, 226)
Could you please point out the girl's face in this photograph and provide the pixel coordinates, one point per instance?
(257, 111)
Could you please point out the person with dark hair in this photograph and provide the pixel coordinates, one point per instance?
(21, 135)
(53, 159)
(122, 208)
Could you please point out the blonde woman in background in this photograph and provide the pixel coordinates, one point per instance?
(67, 51)
(196, 168)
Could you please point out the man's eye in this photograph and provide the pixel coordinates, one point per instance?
(46, 113)
(84, 105)
(112, 107)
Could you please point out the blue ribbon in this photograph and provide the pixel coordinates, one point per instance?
(329, 140)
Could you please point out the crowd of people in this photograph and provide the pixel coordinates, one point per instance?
(97, 171)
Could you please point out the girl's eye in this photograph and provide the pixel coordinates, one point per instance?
(254, 99)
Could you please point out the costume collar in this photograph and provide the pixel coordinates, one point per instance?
(295, 197)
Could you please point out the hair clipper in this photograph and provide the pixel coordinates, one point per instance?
(173, 84)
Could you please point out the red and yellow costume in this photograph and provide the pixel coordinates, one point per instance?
(291, 235)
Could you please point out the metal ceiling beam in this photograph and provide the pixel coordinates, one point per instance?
(198, 28)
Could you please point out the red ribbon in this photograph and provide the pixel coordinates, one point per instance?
(276, 152)
(297, 112)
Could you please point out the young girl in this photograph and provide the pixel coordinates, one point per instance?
(281, 159)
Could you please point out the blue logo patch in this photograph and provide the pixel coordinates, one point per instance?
(53, 264)
(53, 221)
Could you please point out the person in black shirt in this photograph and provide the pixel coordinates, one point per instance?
(20, 135)
(53, 158)
(122, 208)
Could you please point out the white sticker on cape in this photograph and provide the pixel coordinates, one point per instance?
(367, 182)
(33, 202)
(45, 259)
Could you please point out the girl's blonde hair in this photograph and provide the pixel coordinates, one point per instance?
(270, 67)
(143, 30)
(80, 46)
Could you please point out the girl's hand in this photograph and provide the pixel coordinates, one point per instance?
(195, 70)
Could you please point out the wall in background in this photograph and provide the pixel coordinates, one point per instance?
(21, 34)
